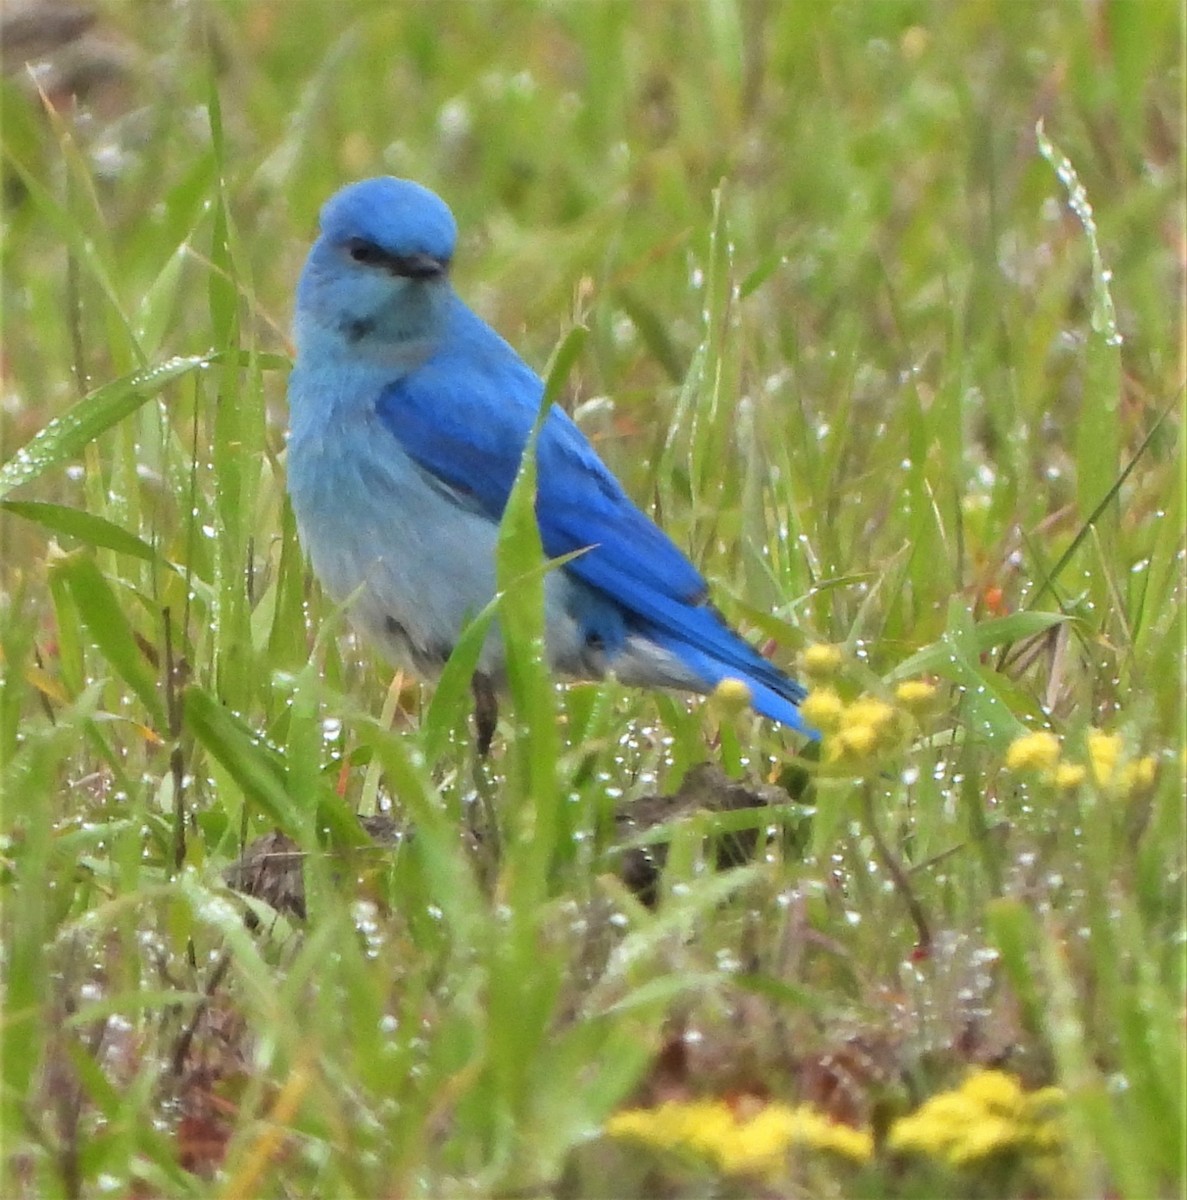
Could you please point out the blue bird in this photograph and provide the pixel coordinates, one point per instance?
(408, 420)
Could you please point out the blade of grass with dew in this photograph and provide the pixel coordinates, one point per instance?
(712, 469)
(257, 769)
(1098, 446)
(985, 635)
(523, 984)
(1090, 522)
(105, 619)
(287, 647)
(160, 301)
(534, 814)
(238, 444)
(449, 709)
(85, 526)
(82, 230)
(990, 714)
(66, 436)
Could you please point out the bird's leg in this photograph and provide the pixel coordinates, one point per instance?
(481, 810)
(486, 711)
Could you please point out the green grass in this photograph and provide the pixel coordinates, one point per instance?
(812, 282)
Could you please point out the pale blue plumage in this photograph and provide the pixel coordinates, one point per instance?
(409, 416)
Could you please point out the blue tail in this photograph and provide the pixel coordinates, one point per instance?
(772, 694)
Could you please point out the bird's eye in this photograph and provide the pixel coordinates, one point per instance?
(365, 252)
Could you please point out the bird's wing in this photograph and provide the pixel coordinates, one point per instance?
(465, 419)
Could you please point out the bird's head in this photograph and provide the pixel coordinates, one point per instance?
(377, 279)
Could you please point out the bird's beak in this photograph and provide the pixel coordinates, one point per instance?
(418, 266)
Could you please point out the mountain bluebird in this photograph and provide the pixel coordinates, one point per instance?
(409, 417)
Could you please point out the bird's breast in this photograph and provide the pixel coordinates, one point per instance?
(414, 563)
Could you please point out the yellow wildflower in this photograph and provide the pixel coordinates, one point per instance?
(1104, 749)
(1069, 775)
(699, 1126)
(989, 1114)
(821, 661)
(808, 1127)
(1033, 752)
(756, 1146)
(855, 741)
(732, 694)
(867, 710)
(915, 693)
(933, 1128)
(993, 1090)
(1139, 776)
(823, 709)
(983, 1139)
(863, 727)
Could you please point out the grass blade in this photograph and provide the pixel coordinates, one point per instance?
(85, 526)
(104, 616)
(65, 436)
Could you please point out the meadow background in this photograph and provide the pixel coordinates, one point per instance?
(903, 384)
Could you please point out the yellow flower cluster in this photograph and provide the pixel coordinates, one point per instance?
(1033, 753)
(915, 694)
(821, 661)
(756, 1146)
(867, 726)
(989, 1114)
(1107, 769)
(823, 708)
(1041, 753)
